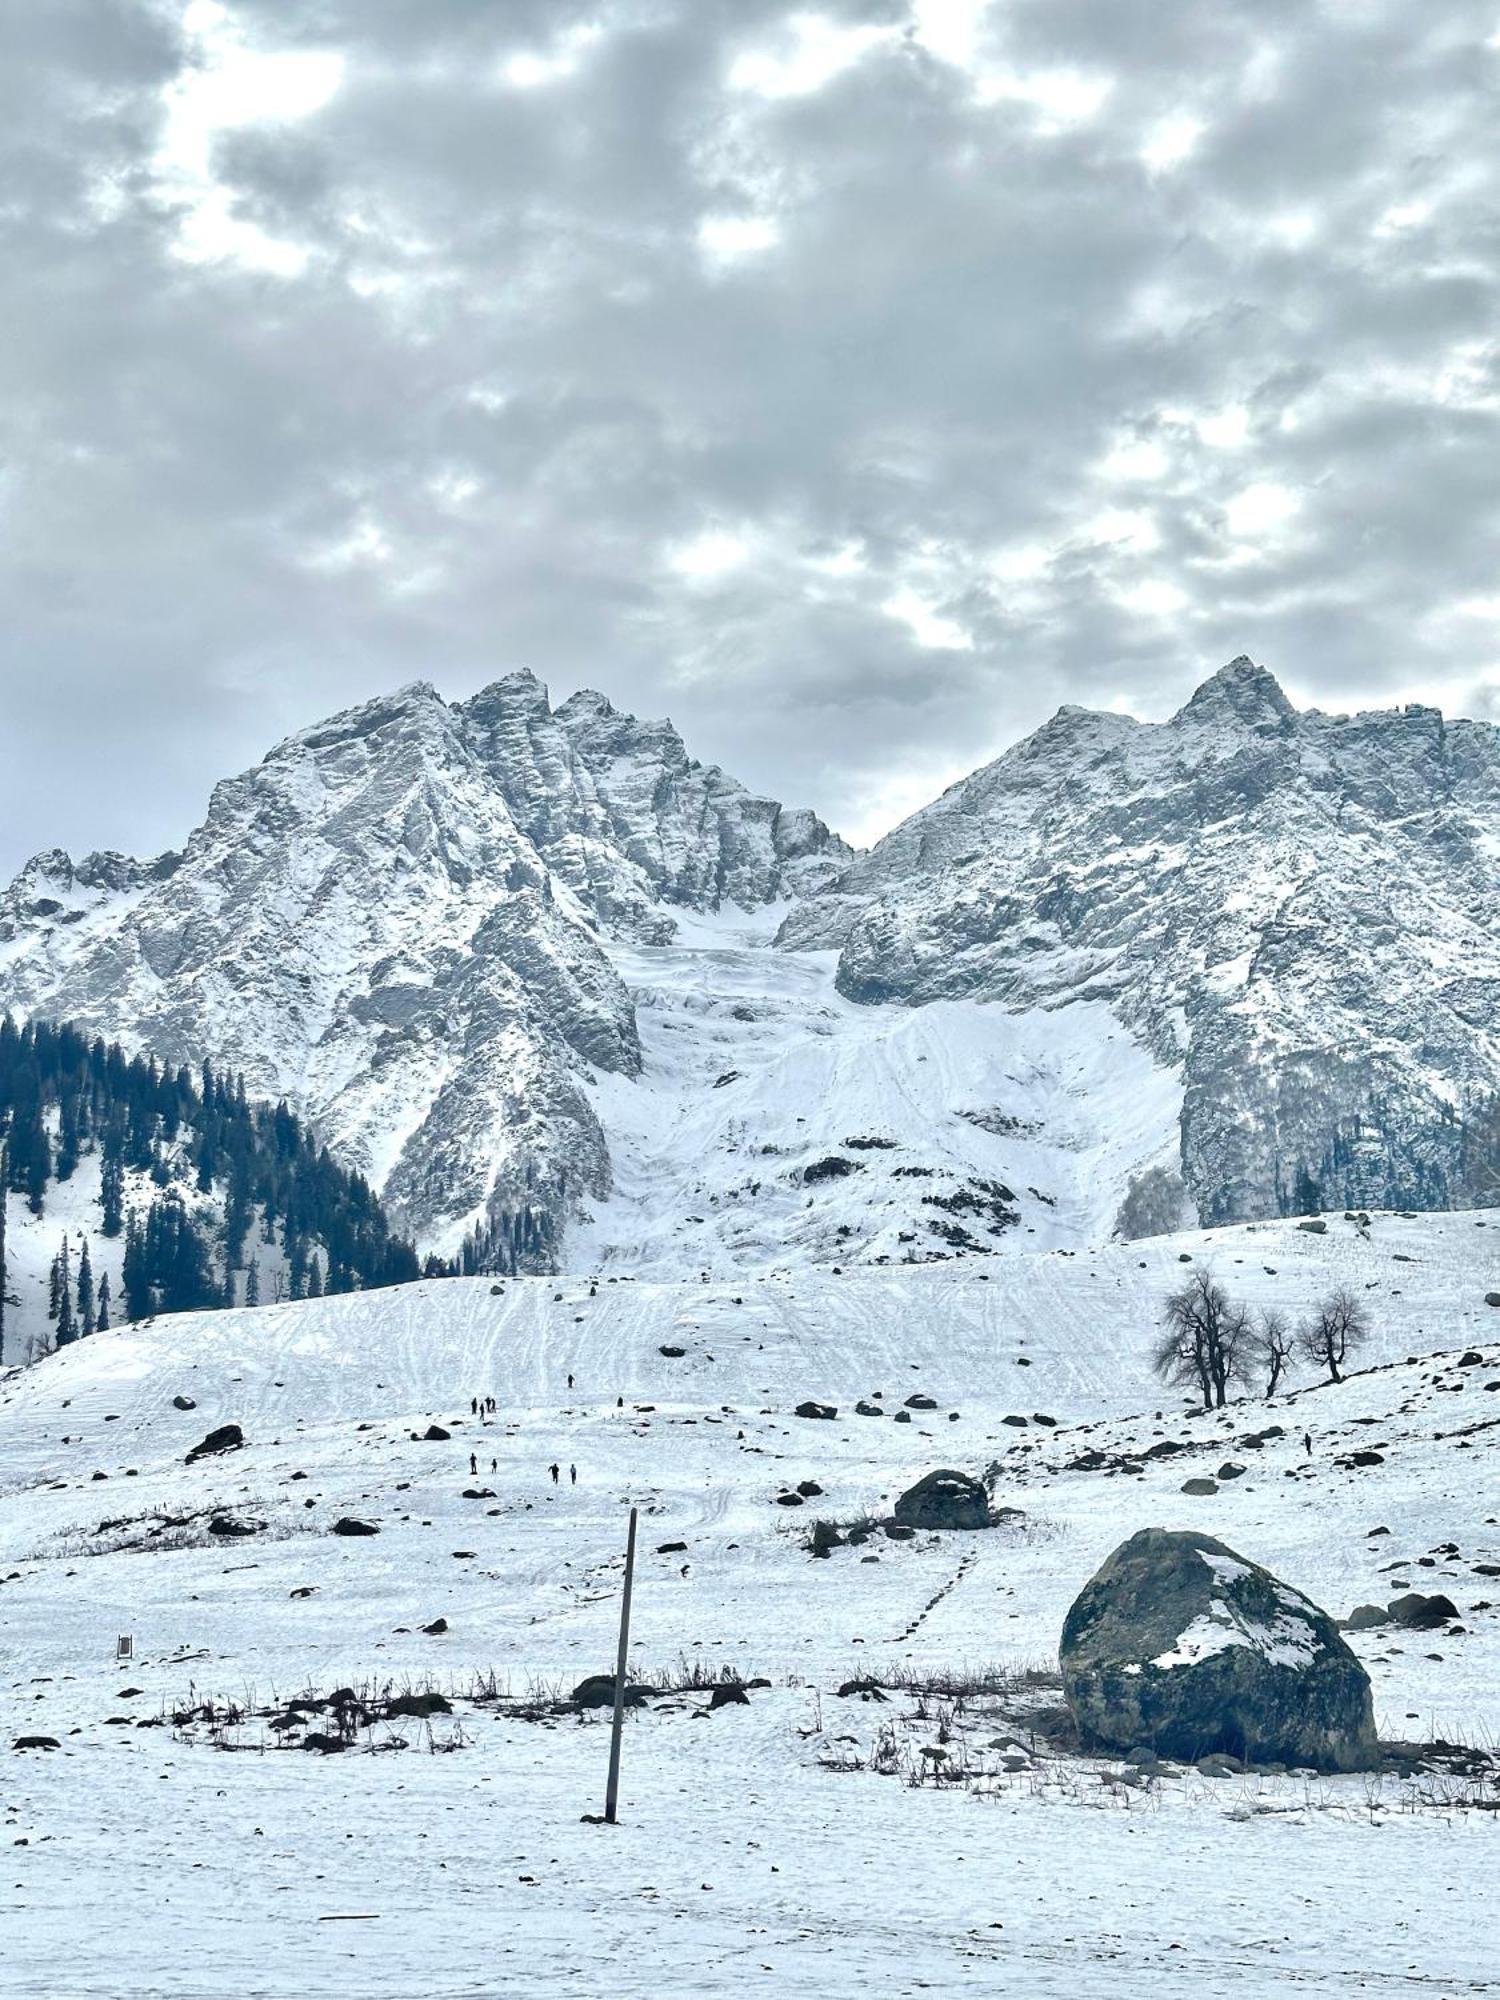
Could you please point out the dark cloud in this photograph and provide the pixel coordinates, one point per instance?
(1082, 344)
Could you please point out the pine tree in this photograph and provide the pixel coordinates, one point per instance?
(314, 1278)
(252, 1284)
(133, 1273)
(67, 1326)
(86, 1320)
(101, 1319)
(112, 1194)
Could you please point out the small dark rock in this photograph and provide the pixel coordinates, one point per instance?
(228, 1437)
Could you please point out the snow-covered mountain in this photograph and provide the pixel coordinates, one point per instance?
(397, 921)
(1294, 912)
(516, 963)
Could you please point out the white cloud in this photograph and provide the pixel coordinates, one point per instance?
(731, 239)
(926, 623)
(1224, 428)
(1131, 459)
(1153, 597)
(229, 87)
(1260, 509)
(814, 51)
(709, 555)
(1171, 141)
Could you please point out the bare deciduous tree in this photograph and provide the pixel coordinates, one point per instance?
(1206, 1338)
(1338, 1327)
(1274, 1346)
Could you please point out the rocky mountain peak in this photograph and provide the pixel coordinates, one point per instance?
(1298, 912)
(1239, 692)
(395, 920)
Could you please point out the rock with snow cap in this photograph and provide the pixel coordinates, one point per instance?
(1180, 1644)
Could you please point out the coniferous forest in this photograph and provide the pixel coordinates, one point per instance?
(159, 1132)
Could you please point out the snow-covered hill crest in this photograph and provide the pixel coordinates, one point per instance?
(1295, 910)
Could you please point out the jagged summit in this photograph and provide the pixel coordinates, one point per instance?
(1297, 911)
(1243, 690)
(396, 920)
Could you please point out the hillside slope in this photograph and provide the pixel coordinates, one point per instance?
(754, 1845)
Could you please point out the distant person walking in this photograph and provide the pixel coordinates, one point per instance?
(473, 1465)
(473, 1406)
(555, 1470)
(1307, 1442)
(570, 1381)
(572, 1475)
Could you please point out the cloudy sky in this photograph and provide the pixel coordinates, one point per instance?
(853, 384)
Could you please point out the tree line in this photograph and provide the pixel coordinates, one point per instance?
(64, 1094)
(1210, 1343)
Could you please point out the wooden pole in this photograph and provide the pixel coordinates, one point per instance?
(612, 1790)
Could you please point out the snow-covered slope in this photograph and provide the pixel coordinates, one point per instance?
(1297, 912)
(394, 921)
(755, 1847)
(774, 1122)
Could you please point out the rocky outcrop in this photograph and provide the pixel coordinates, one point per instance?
(1296, 911)
(1181, 1646)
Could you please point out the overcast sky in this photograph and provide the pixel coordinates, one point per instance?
(853, 385)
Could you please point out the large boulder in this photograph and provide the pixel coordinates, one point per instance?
(944, 1499)
(1179, 1644)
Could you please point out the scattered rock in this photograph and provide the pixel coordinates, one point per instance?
(826, 1411)
(897, 1531)
(436, 1628)
(1229, 1470)
(729, 1694)
(1200, 1486)
(430, 1703)
(863, 1409)
(1365, 1618)
(435, 1434)
(944, 1499)
(1179, 1643)
(920, 1402)
(1317, 1227)
(809, 1488)
(347, 1526)
(1419, 1613)
(670, 1548)
(598, 1691)
(228, 1437)
(36, 1743)
(672, 1353)
(227, 1526)
(183, 1403)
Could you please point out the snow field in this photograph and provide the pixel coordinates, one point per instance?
(478, 1868)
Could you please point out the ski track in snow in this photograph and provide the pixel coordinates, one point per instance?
(154, 1866)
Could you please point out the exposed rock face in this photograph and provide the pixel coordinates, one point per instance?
(393, 921)
(623, 816)
(944, 1499)
(1296, 910)
(1182, 1646)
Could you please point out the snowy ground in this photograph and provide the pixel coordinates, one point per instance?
(144, 1861)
